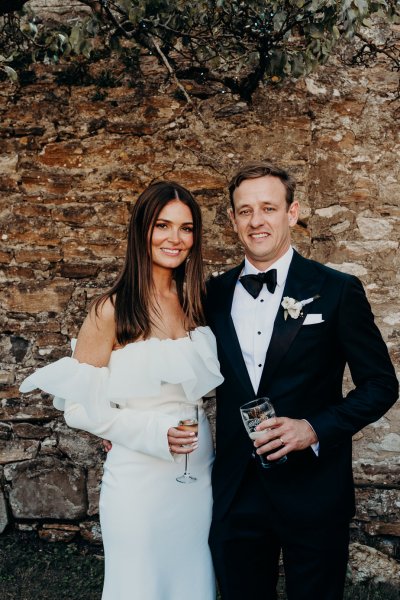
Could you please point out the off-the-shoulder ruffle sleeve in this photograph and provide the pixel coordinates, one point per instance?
(81, 391)
(88, 394)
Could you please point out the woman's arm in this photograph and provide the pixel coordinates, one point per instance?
(137, 431)
(97, 336)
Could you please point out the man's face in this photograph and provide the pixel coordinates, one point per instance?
(263, 220)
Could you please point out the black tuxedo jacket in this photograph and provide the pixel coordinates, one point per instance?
(302, 375)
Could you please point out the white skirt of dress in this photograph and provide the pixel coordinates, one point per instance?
(155, 529)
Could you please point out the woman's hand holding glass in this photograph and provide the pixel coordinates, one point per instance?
(184, 438)
(182, 442)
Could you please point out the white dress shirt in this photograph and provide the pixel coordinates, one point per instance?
(254, 318)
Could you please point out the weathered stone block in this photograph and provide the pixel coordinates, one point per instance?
(5, 257)
(8, 184)
(32, 210)
(58, 532)
(92, 252)
(75, 215)
(78, 270)
(27, 413)
(26, 526)
(11, 451)
(7, 377)
(378, 472)
(63, 154)
(380, 528)
(124, 128)
(51, 183)
(53, 296)
(41, 255)
(5, 431)
(9, 392)
(382, 503)
(374, 229)
(12, 273)
(50, 339)
(196, 179)
(80, 447)
(43, 234)
(46, 489)
(350, 268)
(3, 512)
(8, 163)
(91, 532)
(367, 564)
(31, 431)
(94, 476)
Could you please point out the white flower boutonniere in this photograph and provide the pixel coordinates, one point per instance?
(293, 307)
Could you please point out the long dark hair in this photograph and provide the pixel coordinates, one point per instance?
(133, 291)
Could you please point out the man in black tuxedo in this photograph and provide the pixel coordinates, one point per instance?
(294, 354)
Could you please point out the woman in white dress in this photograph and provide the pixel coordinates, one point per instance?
(143, 358)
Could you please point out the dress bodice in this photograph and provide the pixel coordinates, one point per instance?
(152, 377)
(138, 370)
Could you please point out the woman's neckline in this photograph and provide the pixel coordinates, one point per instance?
(155, 339)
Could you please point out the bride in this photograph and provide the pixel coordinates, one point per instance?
(142, 362)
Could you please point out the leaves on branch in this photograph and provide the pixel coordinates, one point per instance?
(240, 45)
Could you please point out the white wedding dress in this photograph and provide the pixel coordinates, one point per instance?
(155, 530)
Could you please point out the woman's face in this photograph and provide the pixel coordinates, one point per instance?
(172, 236)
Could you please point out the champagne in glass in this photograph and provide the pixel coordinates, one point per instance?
(189, 423)
(252, 414)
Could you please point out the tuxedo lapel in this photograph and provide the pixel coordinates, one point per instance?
(225, 329)
(302, 283)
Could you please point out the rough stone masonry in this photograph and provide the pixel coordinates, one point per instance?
(72, 161)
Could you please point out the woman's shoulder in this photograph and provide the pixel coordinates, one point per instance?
(103, 309)
(97, 336)
(100, 319)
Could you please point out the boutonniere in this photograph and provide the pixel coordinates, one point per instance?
(294, 308)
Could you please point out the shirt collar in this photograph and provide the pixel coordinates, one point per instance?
(281, 265)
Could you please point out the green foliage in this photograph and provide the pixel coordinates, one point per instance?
(240, 44)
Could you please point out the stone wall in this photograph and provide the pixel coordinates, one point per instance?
(72, 160)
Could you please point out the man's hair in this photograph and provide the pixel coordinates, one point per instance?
(256, 169)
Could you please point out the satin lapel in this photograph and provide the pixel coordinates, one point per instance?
(225, 329)
(301, 283)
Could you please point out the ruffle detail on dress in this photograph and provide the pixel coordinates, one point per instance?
(135, 371)
(68, 379)
(139, 369)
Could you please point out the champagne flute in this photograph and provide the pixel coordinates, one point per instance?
(252, 414)
(190, 423)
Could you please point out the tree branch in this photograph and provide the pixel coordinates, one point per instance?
(170, 69)
(379, 50)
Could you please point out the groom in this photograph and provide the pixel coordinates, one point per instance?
(296, 357)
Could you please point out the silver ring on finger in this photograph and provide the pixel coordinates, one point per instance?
(281, 441)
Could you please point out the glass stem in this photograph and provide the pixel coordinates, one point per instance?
(186, 465)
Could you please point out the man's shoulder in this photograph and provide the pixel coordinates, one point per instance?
(220, 278)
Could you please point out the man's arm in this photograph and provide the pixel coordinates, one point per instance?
(376, 385)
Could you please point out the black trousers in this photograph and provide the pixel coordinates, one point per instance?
(246, 546)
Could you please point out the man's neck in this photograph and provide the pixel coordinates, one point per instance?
(262, 267)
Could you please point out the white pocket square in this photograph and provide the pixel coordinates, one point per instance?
(313, 319)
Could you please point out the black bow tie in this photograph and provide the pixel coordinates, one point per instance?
(253, 283)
